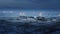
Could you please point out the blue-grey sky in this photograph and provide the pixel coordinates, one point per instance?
(30, 4)
(51, 6)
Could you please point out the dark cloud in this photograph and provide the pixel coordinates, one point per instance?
(30, 4)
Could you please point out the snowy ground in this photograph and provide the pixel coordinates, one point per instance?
(30, 26)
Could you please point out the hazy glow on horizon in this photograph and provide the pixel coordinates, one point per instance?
(4, 11)
(22, 14)
(58, 14)
(29, 13)
(40, 14)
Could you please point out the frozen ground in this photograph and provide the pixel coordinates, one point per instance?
(30, 26)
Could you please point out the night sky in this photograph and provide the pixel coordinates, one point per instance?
(29, 8)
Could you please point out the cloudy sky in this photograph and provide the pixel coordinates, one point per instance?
(29, 5)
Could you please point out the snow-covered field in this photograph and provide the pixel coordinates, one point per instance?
(14, 25)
